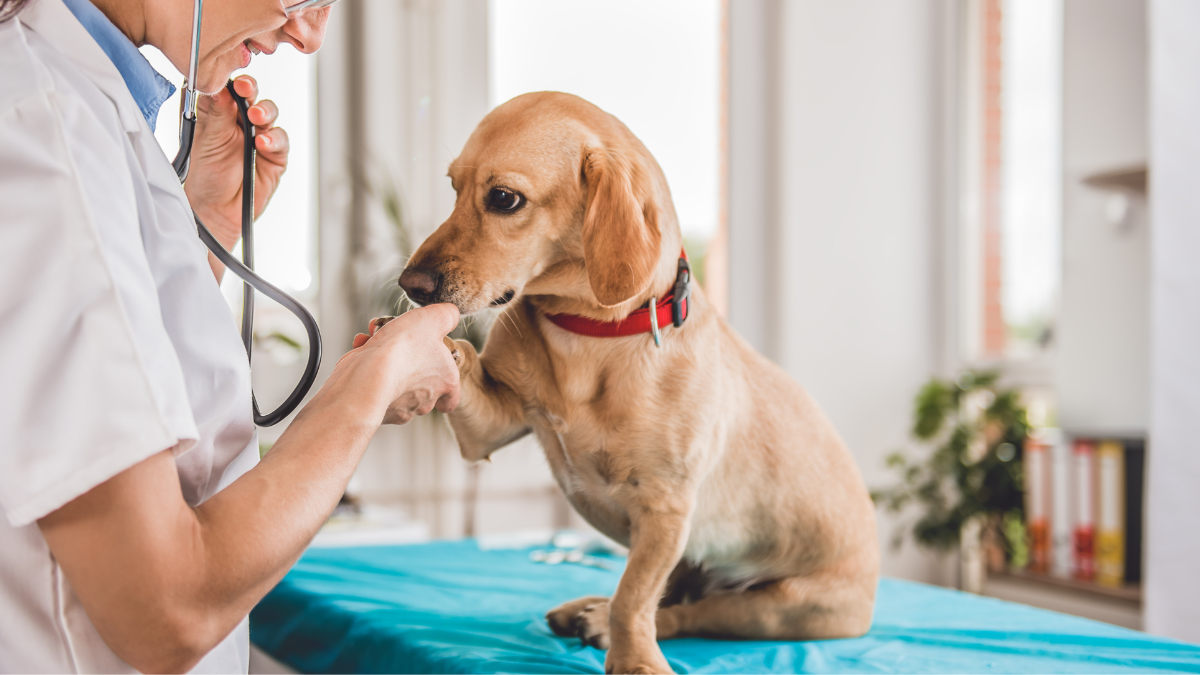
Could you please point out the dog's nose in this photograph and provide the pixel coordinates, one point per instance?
(421, 285)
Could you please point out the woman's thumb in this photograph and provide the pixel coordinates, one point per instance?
(442, 318)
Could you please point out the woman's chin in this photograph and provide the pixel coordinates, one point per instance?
(213, 83)
(212, 78)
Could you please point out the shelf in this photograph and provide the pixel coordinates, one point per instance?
(1131, 593)
(1118, 606)
(1132, 179)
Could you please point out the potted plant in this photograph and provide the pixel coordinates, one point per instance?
(964, 477)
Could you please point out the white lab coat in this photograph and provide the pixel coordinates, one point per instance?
(115, 341)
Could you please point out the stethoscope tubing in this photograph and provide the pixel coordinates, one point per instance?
(244, 268)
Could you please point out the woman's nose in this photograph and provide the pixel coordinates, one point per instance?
(307, 32)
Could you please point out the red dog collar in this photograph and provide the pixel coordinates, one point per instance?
(672, 309)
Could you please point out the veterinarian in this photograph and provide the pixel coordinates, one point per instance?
(139, 527)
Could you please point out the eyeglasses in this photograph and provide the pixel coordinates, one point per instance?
(304, 5)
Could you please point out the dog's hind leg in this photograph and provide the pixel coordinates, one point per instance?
(795, 608)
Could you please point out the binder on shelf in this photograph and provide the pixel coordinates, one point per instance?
(1036, 464)
(1084, 531)
(1060, 507)
(1110, 513)
(1135, 463)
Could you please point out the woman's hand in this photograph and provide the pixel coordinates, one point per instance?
(214, 184)
(403, 369)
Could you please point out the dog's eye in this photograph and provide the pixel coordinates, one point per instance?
(501, 199)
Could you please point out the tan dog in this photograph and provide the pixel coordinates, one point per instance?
(744, 513)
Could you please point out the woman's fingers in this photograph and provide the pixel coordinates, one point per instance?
(273, 146)
(263, 114)
(246, 87)
(449, 402)
(426, 377)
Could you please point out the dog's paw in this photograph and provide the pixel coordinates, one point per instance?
(592, 625)
(620, 661)
(585, 618)
(377, 323)
(463, 352)
(455, 352)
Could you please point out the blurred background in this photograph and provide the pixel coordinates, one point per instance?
(974, 213)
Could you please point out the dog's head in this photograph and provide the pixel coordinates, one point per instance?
(555, 198)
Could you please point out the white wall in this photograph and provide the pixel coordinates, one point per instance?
(836, 203)
(1103, 336)
(1172, 537)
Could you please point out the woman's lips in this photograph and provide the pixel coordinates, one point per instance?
(246, 54)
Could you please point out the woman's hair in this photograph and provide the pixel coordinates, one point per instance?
(10, 8)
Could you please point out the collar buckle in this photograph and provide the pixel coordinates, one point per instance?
(683, 291)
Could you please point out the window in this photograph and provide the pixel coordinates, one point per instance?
(656, 66)
(1012, 183)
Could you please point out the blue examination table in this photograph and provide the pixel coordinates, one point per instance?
(450, 607)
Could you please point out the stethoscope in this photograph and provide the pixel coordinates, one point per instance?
(244, 268)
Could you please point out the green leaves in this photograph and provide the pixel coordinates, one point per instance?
(281, 338)
(966, 463)
(934, 403)
(1015, 537)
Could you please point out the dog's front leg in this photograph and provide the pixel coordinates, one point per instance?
(659, 522)
(489, 414)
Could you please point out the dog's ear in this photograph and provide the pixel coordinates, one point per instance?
(621, 233)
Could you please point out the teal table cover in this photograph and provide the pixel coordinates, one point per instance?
(450, 607)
